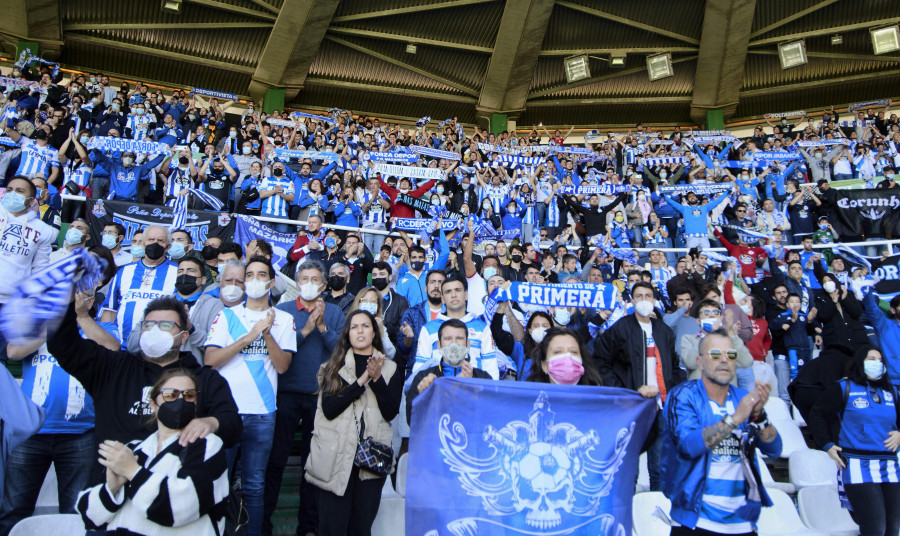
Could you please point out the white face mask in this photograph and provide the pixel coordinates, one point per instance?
(369, 307)
(156, 342)
(538, 334)
(643, 307)
(829, 286)
(231, 293)
(256, 288)
(873, 369)
(748, 309)
(309, 291)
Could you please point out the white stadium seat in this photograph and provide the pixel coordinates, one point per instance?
(645, 521)
(821, 509)
(782, 518)
(812, 468)
(62, 524)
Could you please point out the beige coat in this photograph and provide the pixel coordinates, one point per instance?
(334, 442)
(689, 347)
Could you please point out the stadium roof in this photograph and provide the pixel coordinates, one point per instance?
(477, 57)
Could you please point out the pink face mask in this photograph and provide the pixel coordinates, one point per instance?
(564, 369)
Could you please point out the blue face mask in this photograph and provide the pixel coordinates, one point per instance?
(562, 317)
(177, 250)
(330, 242)
(73, 236)
(13, 202)
(823, 226)
(109, 241)
(84, 140)
(489, 272)
(137, 251)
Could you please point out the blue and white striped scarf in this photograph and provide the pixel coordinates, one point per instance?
(570, 150)
(445, 122)
(854, 124)
(9, 142)
(179, 211)
(699, 189)
(521, 160)
(800, 113)
(105, 143)
(842, 141)
(40, 301)
(601, 189)
(26, 58)
(665, 160)
(711, 133)
(853, 256)
(712, 139)
(592, 135)
(423, 121)
(742, 164)
(866, 104)
(662, 142)
(213, 93)
(314, 117)
(775, 155)
(287, 154)
(283, 123)
(17, 83)
(435, 153)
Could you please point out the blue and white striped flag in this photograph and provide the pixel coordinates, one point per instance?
(665, 160)
(179, 212)
(423, 121)
(40, 301)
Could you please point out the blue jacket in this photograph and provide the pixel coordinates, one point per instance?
(684, 462)
(312, 350)
(888, 332)
(695, 216)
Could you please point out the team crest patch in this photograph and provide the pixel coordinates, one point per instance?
(99, 210)
(224, 219)
(888, 397)
(860, 403)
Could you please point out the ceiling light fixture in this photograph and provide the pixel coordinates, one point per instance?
(171, 6)
(885, 39)
(577, 68)
(411, 48)
(617, 59)
(659, 66)
(792, 54)
(837, 39)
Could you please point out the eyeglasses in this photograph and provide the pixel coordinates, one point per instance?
(715, 355)
(171, 395)
(710, 313)
(165, 325)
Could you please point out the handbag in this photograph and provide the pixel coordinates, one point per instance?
(371, 455)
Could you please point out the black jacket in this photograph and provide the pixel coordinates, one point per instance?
(393, 309)
(455, 190)
(594, 219)
(120, 381)
(841, 328)
(621, 354)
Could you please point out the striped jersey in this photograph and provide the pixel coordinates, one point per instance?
(496, 195)
(275, 205)
(376, 214)
(632, 153)
(134, 287)
(36, 159)
(725, 490)
(250, 374)
(178, 180)
(481, 351)
(139, 125)
(77, 172)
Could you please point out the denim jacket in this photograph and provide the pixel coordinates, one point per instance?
(685, 460)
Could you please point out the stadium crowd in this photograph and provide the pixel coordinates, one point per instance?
(195, 362)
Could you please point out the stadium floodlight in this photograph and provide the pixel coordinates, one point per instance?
(617, 59)
(837, 39)
(659, 66)
(577, 68)
(886, 39)
(792, 54)
(171, 6)
(411, 48)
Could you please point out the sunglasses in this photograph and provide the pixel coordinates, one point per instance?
(715, 355)
(165, 325)
(171, 395)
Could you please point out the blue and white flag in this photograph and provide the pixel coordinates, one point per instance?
(283, 123)
(423, 121)
(7, 141)
(867, 104)
(853, 256)
(390, 156)
(435, 153)
(569, 149)
(418, 224)
(213, 93)
(490, 233)
(525, 459)
(592, 135)
(314, 117)
(39, 302)
(105, 143)
(13, 83)
(287, 154)
(248, 228)
(180, 210)
(699, 189)
(600, 189)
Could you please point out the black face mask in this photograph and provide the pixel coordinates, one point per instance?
(182, 160)
(277, 172)
(337, 282)
(176, 414)
(360, 184)
(154, 251)
(210, 252)
(380, 283)
(417, 265)
(516, 258)
(186, 284)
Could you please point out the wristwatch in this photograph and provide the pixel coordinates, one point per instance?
(730, 422)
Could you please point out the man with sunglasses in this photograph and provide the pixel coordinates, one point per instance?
(710, 317)
(710, 433)
(120, 381)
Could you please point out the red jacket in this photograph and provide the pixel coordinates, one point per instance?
(746, 255)
(399, 210)
(301, 245)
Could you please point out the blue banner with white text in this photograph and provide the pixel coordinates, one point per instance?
(523, 458)
(248, 228)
